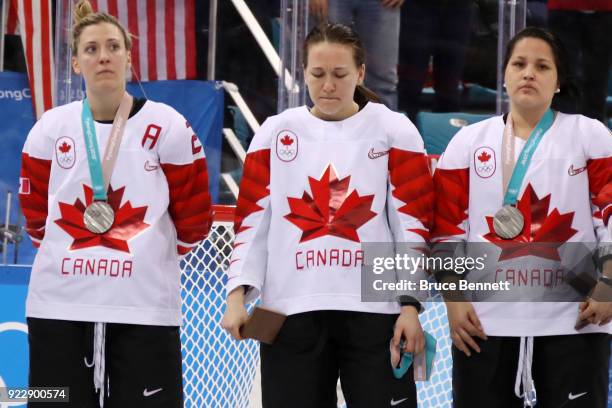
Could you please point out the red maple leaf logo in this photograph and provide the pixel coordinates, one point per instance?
(65, 148)
(542, 234)
(286, 140)
(331, 210)
(484, 157)
(128, 222)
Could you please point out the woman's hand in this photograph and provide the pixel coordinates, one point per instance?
(464, 325)
(597, 309)
(596, 312)
(408, 326)
(235, 313)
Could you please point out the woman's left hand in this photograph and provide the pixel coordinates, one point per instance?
(598, 311)
(408, 326)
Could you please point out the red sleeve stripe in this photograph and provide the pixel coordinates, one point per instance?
(189, 206)
(452, 199)
(34, 205)
(253, 187)
(186, 179)
(600, 185)
(411, 179)
(183, 250)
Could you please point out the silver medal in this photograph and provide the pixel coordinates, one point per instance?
(508, 222)
(98, 217)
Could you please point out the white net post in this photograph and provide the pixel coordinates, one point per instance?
(218, 371)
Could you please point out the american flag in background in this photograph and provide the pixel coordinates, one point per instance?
(12, 22)
(35, 30)
(163, 36)
(163, 42)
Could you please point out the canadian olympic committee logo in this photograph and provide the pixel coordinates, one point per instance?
(64, 152)
(286, 145)
(484, 161)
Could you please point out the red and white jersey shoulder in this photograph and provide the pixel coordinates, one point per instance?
(566, 196)
(313, 192)
(159, 193)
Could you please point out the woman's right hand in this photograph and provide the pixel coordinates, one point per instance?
(235, 313)
(464, 325)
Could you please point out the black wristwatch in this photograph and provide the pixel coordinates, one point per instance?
(604, 254)
(605, 279)
(405, 300)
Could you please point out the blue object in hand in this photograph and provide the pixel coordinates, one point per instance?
(406, 359)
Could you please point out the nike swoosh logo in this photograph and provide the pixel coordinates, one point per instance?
(573, 397)
(394, 402)
(572, 171)
(375, 155)
(148, 393)
(150, 167)
(87, 364)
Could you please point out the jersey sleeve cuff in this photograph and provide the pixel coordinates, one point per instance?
(252, 289)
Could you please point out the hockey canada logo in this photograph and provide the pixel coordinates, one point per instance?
(286, 145)
(129, 222)
(331, 209)
(545, 230)
(64, 152)
(484, 162)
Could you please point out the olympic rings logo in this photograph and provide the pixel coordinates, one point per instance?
(287, 146)
(286, 152)
(485, 169)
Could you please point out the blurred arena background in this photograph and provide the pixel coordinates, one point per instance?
(226, 65)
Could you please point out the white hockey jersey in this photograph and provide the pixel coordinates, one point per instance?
(312, 192)
(566, 196)
(159, 191)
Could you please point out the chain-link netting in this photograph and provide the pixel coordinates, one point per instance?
(218, 372)
(437, 392)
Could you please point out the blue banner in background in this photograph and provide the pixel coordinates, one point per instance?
(17, 118)
(200, 102)
(14, 354)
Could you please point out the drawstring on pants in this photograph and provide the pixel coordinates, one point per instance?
(99, 360)
(523, 374)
